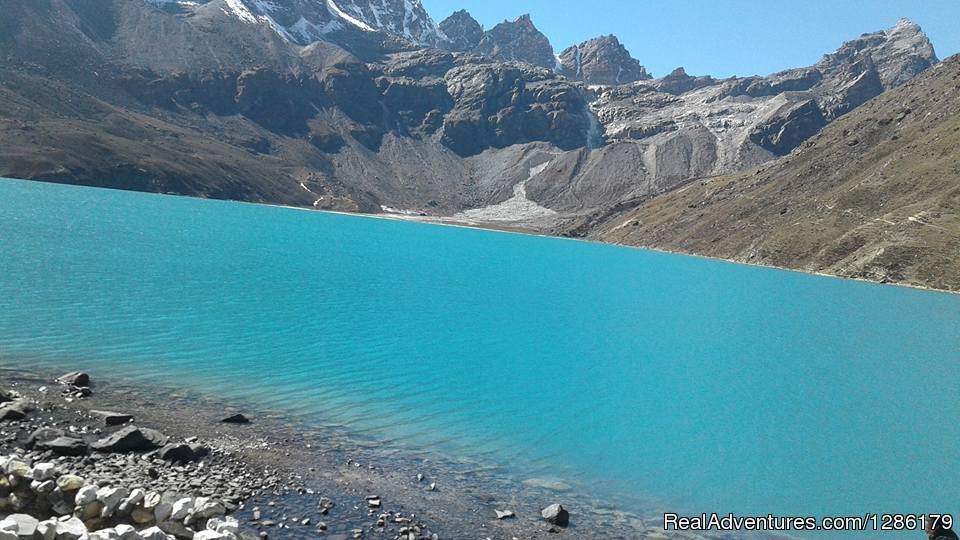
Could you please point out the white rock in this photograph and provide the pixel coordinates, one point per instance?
(151, 500)
(211, 535)
(205, 508)
(136, 497)
(228, 525)
(9, 525)
(25, 526)
(126, 532)
(86, 495)
(153, 533)
(71, 529)
(43, 472)
(181, 509)
(47, 530)
(111, 498)
(104, 534)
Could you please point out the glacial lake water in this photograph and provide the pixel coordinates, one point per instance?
(707, 385)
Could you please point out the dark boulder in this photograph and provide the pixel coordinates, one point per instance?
(76, 378)
(111, 418)
(15, 410)
(462, 30)
(5, 396)
(556, 515)
(43, 434)
(178, 453)
(131, 439)
(199, 451)
(236, 419)
(64, 446)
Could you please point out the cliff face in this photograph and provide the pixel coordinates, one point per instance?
(602, 60)
(517, 41)
(876, 195)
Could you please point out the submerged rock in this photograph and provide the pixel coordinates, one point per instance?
(236, 419)
(556, 515)
(76, 378)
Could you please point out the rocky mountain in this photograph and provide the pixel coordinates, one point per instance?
(517, 41)
(602, 60)
(876, 195)
(226, 99)
(462, 30)
(306, 21)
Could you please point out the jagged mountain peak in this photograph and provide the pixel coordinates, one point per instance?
(462, 30)
(306, 21)
(601, 60)
(518, 40)
(898, 53)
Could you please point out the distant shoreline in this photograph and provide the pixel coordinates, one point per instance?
(501, 228)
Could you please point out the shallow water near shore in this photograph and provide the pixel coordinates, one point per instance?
(631, 374)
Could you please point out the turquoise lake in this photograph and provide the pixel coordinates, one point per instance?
(707, 385)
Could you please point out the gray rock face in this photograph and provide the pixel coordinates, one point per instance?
(517, 41)
(497, 105)
(462, 30)
(601, 60)
(130, 439)
(362, 122)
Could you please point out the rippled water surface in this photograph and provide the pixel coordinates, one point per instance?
(707, 385)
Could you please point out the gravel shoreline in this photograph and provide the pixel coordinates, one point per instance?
(280, 480)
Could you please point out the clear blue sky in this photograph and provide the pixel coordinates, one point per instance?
(719, 37)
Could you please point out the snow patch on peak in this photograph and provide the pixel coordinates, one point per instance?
(240, 10)
(333, 7)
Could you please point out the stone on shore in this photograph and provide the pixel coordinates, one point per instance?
(111, 418)
(153, 533)
(71, 529)
(236, 419)
(22, 525)
(504, 514)
(47, 529)
(183, 453)
(76, 378)
(43, 472)
(15, 410)
(86, 495)
(556, 515)
(43, 434)
(69, 482)
(6, 396)
(64, 446)
(130, 439)
(126, 532)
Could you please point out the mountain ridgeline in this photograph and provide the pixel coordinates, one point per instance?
(372, 106)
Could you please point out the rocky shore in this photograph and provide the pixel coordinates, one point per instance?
(83, 462)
